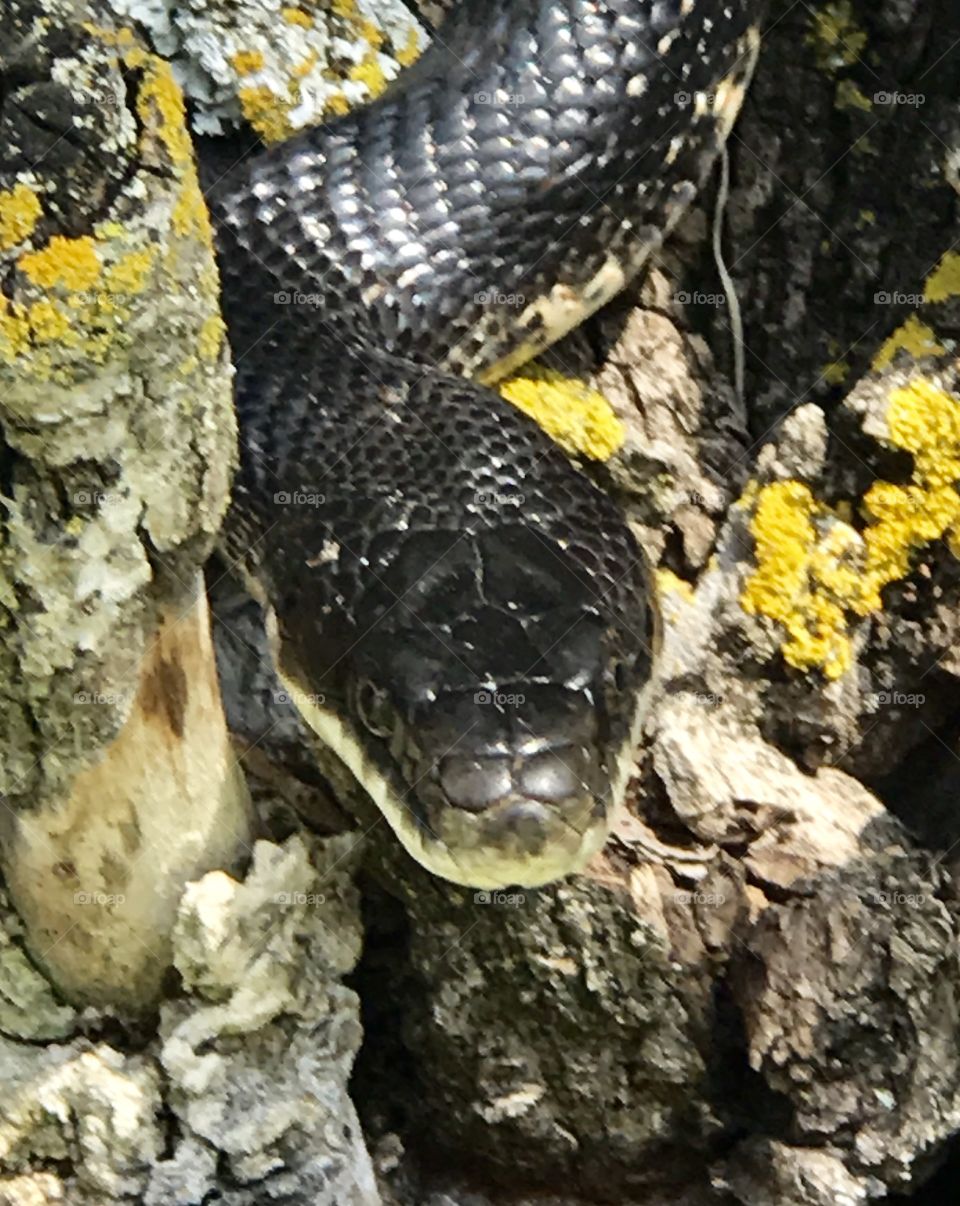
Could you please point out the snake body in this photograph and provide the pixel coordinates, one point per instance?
(456, 608)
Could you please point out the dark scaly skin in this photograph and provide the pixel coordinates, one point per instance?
(443, 549)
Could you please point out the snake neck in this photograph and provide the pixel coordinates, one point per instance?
(503, 188)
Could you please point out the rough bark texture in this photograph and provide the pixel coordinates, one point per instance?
(752, 995)
(116, 443)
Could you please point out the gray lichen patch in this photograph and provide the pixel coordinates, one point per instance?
(243, 1093)
(279, 66)
(29, 1008)
(83, 1105)
(258, 1053)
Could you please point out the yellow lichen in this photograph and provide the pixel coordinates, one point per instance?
(579, 418)
(111, 229)
(135, 58)
(836, 372)
(73, 263)
(336, 105)
(14, 330)
(296, 16)
(268, 115)
(914, 337)
(797, 576)
(20, 210)
(25, 327)
(123, 37)
(129, 274)
(835, 37)
(190, 216)
(849, 96)
(246, 62)
(369, 72)
(669, 583)
(810, 571)
(268, 109)
(211, 336)
(162, 114)
(925, 421)
(371, 33)
(411, 51)
(87, 282)
(48, 322)
(306, 65)
(944, 281)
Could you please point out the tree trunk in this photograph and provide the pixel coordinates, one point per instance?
(116, 443)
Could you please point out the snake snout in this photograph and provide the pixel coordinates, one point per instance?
(527, 808)
(478, 783)
(518, 785)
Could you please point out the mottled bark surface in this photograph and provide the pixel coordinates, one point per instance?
(752, 995)
(117, 440)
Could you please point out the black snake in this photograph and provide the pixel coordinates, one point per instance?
(456, 608)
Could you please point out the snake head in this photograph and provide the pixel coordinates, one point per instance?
(491, 713)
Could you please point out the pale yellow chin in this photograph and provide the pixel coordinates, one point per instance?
(480, 860)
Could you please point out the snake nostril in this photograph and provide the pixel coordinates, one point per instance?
(551, 777)
(473, 783)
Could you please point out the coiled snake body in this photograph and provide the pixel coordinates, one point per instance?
(457, 610)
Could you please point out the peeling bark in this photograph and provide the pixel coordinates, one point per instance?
(117, 437)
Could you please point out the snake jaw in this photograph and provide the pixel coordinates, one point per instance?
(514, 783)
(491, 715)
(517, 842)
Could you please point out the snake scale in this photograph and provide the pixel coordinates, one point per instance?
(455, 607)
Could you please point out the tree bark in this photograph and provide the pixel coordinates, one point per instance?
(116, 441)
(751, 996)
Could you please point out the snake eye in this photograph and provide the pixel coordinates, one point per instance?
(374, 709)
